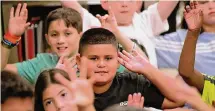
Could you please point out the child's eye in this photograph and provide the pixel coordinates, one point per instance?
(67, 33)
(108, 58)
(93, 58)
(63, 94)
(53, 35)
(48, 103)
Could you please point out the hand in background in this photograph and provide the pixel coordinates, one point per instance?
(108, 21)
(81, 88)
(134, 62)
(193, 16)
(68, 65)
(17, 22)
(136, 100)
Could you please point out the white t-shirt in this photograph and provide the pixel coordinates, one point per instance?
(145, 25)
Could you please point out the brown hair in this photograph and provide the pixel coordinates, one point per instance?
(44, 80)
(70, 16)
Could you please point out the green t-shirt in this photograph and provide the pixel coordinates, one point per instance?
(30, 69)
(208, 94)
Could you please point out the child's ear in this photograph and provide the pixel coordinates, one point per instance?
(47, 39)
(118, 65)
(78, 60)
(81, 33)
(104, 4)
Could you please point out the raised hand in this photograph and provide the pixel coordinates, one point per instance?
(81, 88)
(108, 21)
(136, 100)
(193, 16)
(133, 62)
(68, 65)
(17, 22)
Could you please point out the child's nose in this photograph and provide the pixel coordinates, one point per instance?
(124, 3)
(101, 64)
(211, 4)
(59, 105)
(61, 40)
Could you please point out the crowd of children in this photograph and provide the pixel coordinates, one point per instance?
(88, 71)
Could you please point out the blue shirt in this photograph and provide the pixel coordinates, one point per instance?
(169, 46)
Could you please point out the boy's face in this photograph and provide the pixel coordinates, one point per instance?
(101, 62)
(17, 104)
(208, 8)
(123, 10)
(63, 40)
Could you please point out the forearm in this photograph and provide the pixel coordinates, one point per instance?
(165, 8)
(164, 83)
(72, 4)
(5, 52)
(187, 58)
(126, 43)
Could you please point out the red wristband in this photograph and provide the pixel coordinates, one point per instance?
(13, 39)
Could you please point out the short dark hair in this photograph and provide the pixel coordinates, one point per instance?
(45, 78)
(70, 16)
(12, 85)
(97, 36)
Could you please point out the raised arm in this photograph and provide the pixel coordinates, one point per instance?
(165, 8)
(193, 17)
(72, 4)
(136, 63)
(16, 27)
(109, 22)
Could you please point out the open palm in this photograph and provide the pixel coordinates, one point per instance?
(108, 21)
(17, 23)
(134, 63)
(193, 16)
(81, 88)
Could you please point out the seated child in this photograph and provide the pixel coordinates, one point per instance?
(63, 29)
(169, 46)
(137, 27)
(205, 84)
(16, 93)
(100, 48)
(58, 89)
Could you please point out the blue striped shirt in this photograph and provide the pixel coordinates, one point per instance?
(169, 46)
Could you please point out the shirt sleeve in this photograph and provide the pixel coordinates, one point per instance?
(29, 69)
(153, 20)
(89, 20)
(168, 48)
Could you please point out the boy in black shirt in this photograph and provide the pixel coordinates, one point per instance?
(100, 48)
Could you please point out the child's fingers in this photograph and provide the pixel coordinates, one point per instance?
(187, 8)
(185, 12)
(99, 17)
(27, 25)
(92, 79)
(11, 12)
(18, 10)
(22, 12)
(130, 100)
(142, 102)
(83, 68)
(110, 12)
(25, 16)
(192, 5)
(127, 54)
(124, 57)
(62, 80)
